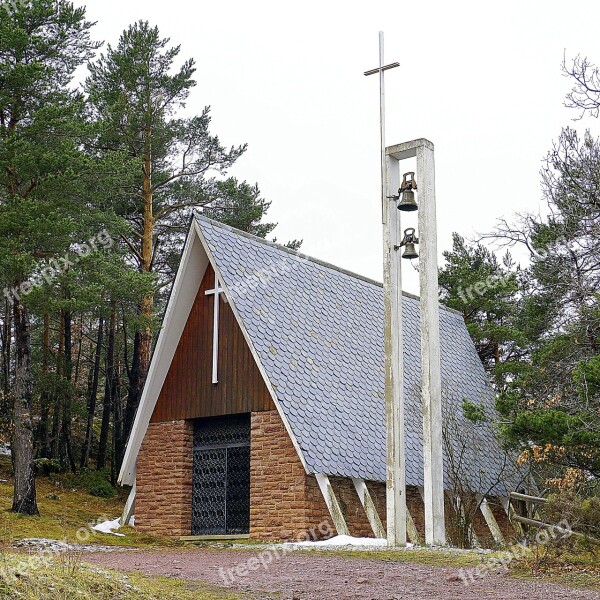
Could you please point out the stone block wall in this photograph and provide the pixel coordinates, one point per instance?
(278, 491)
(163, 502)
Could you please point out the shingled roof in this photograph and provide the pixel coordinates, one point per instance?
(317, 332)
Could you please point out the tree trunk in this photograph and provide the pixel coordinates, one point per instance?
(68, 397)
(93, 393)
(6, 347)
(134, 378)
(143, 339)
(79, 346)
(118, 439)
(43, 433)
(24, 498)
(108, 389)
(58, 399)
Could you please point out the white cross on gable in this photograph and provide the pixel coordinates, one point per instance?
(217, 294)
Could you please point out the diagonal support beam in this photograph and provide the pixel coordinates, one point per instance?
(332, 504)
(474, 537)
(488, 515)
(129, 507)
(367, 501)
(376, 525)
(411, 529)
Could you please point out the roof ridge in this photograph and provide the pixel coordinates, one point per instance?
(303, 256)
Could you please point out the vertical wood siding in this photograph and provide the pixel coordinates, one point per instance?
(188, 391)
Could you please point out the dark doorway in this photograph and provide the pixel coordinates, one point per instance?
(221, 478)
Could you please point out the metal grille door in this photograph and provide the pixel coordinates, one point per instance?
(238, 490)
(221, 477)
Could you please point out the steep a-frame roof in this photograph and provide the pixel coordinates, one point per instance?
(316, 332)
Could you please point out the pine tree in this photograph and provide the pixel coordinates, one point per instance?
(135, 91)
(486, 292)
(42, 42)
(240, 205)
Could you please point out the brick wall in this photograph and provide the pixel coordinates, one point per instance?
(278, 499)
(480, 526)
(359, 526)
(163, 502)
(285, 503)
(352, 509)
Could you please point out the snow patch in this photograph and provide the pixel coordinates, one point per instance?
(341, 541)
(108, 526)
(47, 545)
(4, 449)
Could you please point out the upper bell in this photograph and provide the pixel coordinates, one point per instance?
(407, 201)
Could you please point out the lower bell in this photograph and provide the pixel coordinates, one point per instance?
(410, 251)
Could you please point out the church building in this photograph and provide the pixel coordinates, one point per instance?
(263, 412)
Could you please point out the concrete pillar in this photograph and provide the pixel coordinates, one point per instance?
(431, 385)
(394, 375)
(423, 150)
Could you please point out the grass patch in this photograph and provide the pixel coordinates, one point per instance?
(578, 568)
(65, 577)
(63, 511)
(424, 556)
(437, 558)
(576, 578)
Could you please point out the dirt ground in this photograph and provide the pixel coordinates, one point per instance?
(303, 576)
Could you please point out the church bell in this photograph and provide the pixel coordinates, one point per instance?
(409, 242)
(410, 251)
(407, 194)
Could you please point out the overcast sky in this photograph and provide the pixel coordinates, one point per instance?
(481, 80)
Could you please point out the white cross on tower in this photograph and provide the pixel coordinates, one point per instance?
(392, 291)
(217, 294)
(380, 70)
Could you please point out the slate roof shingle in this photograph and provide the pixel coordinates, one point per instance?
(318, 333)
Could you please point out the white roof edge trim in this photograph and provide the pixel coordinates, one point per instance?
(265, 377)
(194, 261)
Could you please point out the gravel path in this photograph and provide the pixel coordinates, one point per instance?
(303, 576)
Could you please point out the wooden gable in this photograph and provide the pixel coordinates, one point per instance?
(188, 391)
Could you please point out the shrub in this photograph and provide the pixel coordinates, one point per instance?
(101, 488)
(582, 514)
(95, 483)
(46, 466)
